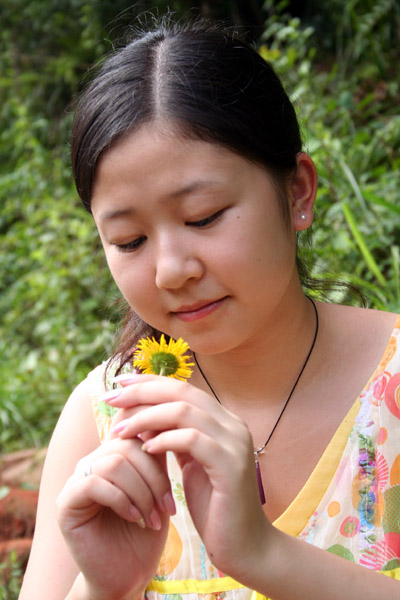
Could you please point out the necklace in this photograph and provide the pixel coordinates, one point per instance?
(261, 448)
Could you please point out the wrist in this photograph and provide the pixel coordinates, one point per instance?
(83, 590)
(262, 568)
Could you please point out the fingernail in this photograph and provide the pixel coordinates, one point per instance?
(126, 378)
(136, 516)
(120, 426)
(111, 395)
(154, 520)
(168, 503)
(141, 523)
(146, 447)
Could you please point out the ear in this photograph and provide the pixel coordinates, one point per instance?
(303, 190)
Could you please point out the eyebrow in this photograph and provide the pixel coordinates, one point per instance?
(194, 187)
(184, 191)
(117, 214)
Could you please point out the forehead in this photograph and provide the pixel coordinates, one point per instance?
(161, 161)
(161, 140)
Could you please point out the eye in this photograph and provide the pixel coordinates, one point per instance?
(131, 246)
(206, 221)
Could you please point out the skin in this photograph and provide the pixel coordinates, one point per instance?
(210, 229)
(195, 240)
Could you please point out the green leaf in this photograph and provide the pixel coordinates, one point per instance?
(369, 259)
(395, 208)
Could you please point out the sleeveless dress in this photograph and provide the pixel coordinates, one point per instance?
(349, 506)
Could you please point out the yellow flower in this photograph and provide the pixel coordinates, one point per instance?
(162, 358)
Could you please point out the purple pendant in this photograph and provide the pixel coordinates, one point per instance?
(259, 481)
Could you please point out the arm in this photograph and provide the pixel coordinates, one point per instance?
(285, 567)
(102, 553)
(215, 451)
(51, 569)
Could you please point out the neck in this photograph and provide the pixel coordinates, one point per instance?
(265, 370)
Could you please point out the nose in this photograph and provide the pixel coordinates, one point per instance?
(176, 263)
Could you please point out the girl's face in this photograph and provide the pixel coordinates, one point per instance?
(194, 238)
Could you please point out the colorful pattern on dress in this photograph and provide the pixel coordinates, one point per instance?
(357, 518)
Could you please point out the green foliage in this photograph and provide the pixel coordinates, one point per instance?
(55, 291)
(352, 131)
(360, 33)
(10, 585)
(54, 285)
(53, 281)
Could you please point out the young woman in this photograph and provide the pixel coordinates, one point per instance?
(275, 470)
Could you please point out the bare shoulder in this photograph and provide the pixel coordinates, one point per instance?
(355, 339)
(77, 418)
(74, 437)
(360, 323)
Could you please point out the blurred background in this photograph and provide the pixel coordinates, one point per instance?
(339, 60)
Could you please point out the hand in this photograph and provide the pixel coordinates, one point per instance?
(115, 520)
(214, 449)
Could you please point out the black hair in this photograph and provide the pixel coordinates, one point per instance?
(209, 84)
(206, 81)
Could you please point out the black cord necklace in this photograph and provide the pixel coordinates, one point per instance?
(261, 448)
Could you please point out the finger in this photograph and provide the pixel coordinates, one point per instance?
(121, 415)
(159, 390)
(118, 471)
(153, 475)
(129, 378)
(223, 463)
(189, 441)
(141, 477)
(81, 500)
(115, 395)
(175, 415)
(227, 465)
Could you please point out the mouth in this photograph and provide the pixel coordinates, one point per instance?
(199, 310)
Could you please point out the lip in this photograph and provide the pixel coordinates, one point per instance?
(199, 310)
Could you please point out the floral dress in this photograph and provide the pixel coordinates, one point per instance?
(349, 506)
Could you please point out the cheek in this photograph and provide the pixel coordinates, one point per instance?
(264, 260)
(260, 241)
(133, 280)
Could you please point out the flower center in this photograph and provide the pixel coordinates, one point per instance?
(164, 363)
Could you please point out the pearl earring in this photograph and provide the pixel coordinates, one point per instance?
(303, 217)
